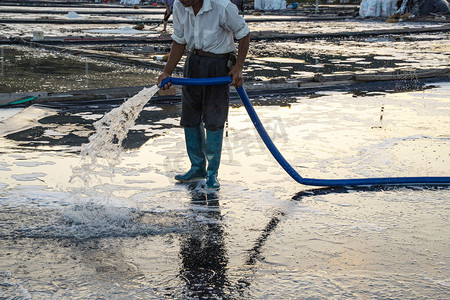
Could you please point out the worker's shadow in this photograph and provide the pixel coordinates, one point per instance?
(204, 258)
(202, 248)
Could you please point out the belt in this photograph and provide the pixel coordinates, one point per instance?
(208, 54)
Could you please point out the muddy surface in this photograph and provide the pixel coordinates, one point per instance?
(26, 69)
(29, 69)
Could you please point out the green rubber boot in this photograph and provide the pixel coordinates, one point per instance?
(213, 153)
(195, 146)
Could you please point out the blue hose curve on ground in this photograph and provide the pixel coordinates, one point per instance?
(282, 161)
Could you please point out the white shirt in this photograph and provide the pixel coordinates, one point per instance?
(213, 29)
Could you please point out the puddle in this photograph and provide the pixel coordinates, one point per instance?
(341, 57)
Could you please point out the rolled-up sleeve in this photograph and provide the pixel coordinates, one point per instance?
(178, 27)
(234, 22)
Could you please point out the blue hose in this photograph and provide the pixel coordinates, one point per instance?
(282, 161)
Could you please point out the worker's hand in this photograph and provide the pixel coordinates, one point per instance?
(238, 77)
(161, 77)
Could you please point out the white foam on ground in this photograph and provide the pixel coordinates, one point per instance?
(34, 195)
(11, 288)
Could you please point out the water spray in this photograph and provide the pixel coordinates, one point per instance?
(282, 161)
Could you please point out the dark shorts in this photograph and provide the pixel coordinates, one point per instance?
(207, 104)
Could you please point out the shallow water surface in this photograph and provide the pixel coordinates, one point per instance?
(135, 233)
(25, 69)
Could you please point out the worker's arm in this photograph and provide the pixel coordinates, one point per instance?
(176, 52)
(236, 71)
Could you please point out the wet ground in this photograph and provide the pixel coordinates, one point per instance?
(30, 67)
(26, 69)
(133, 232)
(126, 229)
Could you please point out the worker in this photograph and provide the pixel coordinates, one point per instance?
(169, 8)
(206, 29)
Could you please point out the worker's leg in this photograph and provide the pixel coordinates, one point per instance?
(166, 18)
(207, 104)
(215, 113)
(213, 154)
(191, 120)
(195, 146)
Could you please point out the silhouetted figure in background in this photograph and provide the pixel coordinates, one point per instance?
(169, 8)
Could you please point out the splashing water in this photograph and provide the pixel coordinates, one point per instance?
(93, 215)
(105, 145)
